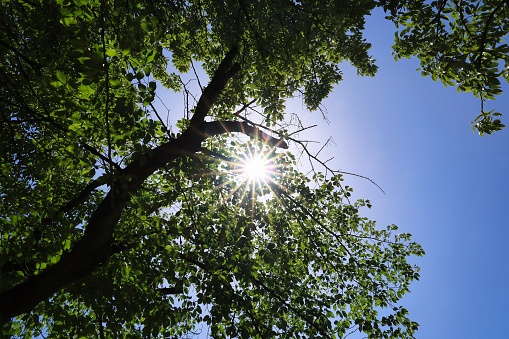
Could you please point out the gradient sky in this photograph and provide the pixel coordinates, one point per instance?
(444, 184)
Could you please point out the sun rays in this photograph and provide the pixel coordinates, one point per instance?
(256, 167)
(254, 171)
(250, 173)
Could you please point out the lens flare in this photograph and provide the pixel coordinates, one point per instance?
(256, 168)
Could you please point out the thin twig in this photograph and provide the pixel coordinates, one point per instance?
(302, 129)
(244, 107)
(107, 86)
(196, 75)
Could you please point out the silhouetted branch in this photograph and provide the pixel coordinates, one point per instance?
(171, 290)
(225, 72)
(221, 127)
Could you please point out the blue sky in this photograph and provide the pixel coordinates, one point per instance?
(445, 184)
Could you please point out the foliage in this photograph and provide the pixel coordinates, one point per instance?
(116, 224)
(461, 43)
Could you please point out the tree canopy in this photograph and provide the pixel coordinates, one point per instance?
(116, 223)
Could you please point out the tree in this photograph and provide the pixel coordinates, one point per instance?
(113, 224)
(460, 43)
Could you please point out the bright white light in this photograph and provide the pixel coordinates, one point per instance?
(256, 168)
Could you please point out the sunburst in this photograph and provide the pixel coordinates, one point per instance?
(252, 174)
(256, 167)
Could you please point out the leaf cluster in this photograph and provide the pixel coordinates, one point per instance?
(461, 43)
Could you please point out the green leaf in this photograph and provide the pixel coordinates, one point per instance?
(61, 77)
(86, 91)
(111, 53)
(151, 55)
(152, 86)
(115, 82)
(139, 75)
(56, 84)
(146, 26)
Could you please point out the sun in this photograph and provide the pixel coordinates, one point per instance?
(256, 168)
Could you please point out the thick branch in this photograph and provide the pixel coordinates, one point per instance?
(210, 94)
(221, 127)
(171, 290)
(93, 248)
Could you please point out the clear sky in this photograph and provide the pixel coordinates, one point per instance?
(444, 183)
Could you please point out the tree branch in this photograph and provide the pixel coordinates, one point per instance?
(220, 127)
(92, 249)
(171, 290)
(224, 72)
(482, 49)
